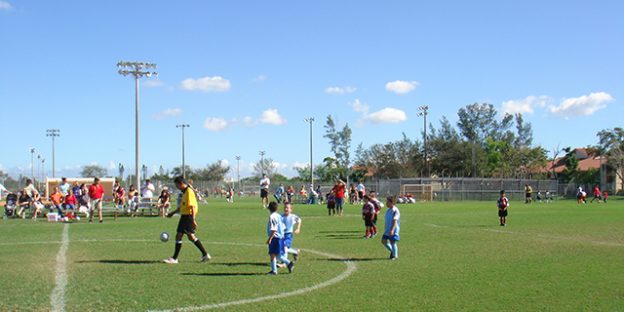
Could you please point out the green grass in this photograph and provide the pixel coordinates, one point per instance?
(453, 257)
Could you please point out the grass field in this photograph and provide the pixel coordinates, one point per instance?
(452, 257)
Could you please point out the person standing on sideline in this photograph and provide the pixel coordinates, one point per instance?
(290, 220)
(147, 192)
(502, 204)
(528, 194)
(275, 232)
(188, 209)
(339, 192)
(96, 196)
(64, 186)
(391, 237)
(265, 183)
(361, 190)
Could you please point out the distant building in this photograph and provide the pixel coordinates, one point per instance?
(587, 162)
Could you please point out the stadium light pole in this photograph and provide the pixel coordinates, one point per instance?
(136, 70)
(424, 111)
(311, 120)
(43, 174)
(183, 161)
(32, 163)
(53, 133)
(238, 172)
(38, 171)
(262, 161)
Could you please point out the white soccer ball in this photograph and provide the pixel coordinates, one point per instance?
(164, 237)
(78, 218)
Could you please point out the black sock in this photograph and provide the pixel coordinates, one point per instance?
(199, 246)
(178, 247)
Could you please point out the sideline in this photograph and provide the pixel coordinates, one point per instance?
(57, 297)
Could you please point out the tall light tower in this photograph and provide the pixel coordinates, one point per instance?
(238, 172)
(53, 133)
(43, 174)
(32, 164)
(121, 172)
(423, 111)
(311, 120)
(183, 161)
(136, 70)
(38, 171)
(262, 161)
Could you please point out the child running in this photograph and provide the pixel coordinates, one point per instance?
(502, 204)
(290, 219)
(275, 232)
(391, 237)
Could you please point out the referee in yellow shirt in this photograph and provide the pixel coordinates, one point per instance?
(188, 210)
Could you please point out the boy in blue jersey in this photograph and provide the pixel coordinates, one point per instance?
(393, 226)
(275, 231)
(290, 220)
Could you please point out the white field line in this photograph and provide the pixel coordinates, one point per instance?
(57, 297)
(351, 267)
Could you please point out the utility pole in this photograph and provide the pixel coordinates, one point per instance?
(238, 172)
(53, 133)
(262, 161)
(183, 161)
(424, 111)
(136, 70)
(311, 120)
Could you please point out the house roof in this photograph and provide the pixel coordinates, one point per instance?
(586, 162)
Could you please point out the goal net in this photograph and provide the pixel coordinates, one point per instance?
(421, 192)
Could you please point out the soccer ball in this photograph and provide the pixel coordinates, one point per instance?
(164, 237)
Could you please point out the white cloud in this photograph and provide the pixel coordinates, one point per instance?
(387, 115)
(272, 116)
(401, 86)
(5, 5)
(248, 121)
(298, 164)
(216, 124)
(260, 78)
(153, 83)
(206, 84)
(169, 112)
(339, 90)
(112, 165)
(581, 106)
(224, 163)
(526, 105)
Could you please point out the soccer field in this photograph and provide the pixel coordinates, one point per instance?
(452, 257)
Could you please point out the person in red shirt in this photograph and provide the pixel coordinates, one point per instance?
(96, 195)
(597, 194)
(70, 201)
(339, 191)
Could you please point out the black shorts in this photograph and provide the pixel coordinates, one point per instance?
(264, 193)
(528, 195)
(360, 194)
(186, 225)
(502, 212)
(368, 220)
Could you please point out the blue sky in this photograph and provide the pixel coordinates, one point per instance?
(245, 74)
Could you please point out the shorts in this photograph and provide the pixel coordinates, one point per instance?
(368, 220)
(276, 246)
(70, 206)
(264, 193)
(393, 238)
(528, 195)
(360, 194)
(288, 237)
(186, 225)
(502, 212)
(96, 204)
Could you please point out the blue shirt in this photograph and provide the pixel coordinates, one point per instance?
(289, 222)
(64, 188)
(391, 215)
(275, 224)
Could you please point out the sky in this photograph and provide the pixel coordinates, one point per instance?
(245, 74)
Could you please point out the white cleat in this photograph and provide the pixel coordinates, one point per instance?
(205, 258)
(171, 261)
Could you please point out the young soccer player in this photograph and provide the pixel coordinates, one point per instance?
(290, 220)
(188, 209)
(378, 205)
(391, 237)
(331, 203)
(502, 204)
(368, 210)
(163, 202)
(597, 194)
(275, 231)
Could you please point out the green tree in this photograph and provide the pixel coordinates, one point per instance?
(612, 142)
(91, 171)
(266, 165)
(340, 144)
(212, 172)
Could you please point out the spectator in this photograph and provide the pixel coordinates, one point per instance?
(57, 200)
(147, 192)
(3, 191)
(96, 196)
(133, 199)
(265, 183)
(10, 206)
(339, 190)
(290, 192)
(312, 196)
(70, 201)
(23, 202)
(64, 186)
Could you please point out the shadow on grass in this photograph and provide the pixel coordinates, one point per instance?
(323, 232)
(121, 261)
(222, 274)
(349, 235)
(356, 259)
(232, 264)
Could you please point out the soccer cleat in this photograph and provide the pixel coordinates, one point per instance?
(272, 273)
(205, 258)
(291, 267)
(171, 261)
(296, 256)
